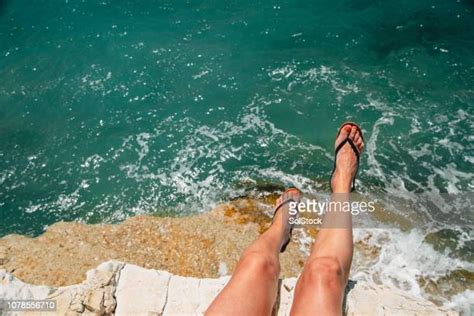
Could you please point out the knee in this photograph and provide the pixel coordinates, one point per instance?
(260, 263)
(324, 272)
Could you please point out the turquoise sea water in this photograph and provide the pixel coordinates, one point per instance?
(114, 108)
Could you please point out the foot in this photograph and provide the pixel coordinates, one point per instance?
(282, 216)
(346, 160)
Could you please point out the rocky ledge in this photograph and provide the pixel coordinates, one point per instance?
(203, 245)
(126, 289)
(174, 266)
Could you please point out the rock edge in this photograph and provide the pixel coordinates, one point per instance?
(122, 289)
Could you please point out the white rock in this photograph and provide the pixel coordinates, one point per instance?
(12, 288)
(141, 291)
(104, 274)
(109, 300)
(377, 300)
(183, 296)
(98, 279)
(94, 301)
(287, 289)
(208, 290)
(67, 297)
(111, 266)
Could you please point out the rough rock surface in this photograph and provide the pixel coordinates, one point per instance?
(126, 289)
(203, 245)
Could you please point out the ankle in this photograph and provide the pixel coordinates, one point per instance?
(341, 183)
(278, 227)
(341, 188)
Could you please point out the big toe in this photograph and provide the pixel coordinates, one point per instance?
(293, 194)
(344, 133)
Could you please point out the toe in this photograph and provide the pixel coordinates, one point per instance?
(357, 137)
(345, 131)
(285, 196)
(353, 132)
(294, 194)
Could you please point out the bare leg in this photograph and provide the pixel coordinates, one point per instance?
(252, 290)
(320, 288)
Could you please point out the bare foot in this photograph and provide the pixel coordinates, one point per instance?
(346, 160)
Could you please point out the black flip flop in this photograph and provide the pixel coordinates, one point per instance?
(277, 208)
(354, 148)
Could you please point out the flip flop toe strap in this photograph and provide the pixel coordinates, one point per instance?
(277, 208)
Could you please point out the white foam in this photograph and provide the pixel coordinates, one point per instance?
(375, 169)
(93, 161)
(452, 176)
(462, 302)
(403, 258)
(142, 141)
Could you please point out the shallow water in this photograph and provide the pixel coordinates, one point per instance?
(111, 109)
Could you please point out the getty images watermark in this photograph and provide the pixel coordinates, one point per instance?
(321, 207)
(384, 210)
(336, 209)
